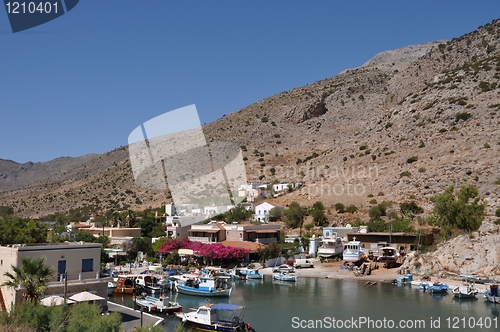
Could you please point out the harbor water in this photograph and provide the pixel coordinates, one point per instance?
(314, 304)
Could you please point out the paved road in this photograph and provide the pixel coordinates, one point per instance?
(132, 318)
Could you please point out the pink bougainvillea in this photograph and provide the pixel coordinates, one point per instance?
(210, 251)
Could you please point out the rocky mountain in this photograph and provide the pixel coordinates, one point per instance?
(405, 125)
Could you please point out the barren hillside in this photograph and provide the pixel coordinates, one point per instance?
(408, 123)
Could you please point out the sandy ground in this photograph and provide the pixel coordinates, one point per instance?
(333, 271)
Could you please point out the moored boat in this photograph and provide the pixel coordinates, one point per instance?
(162, 304)
(250, 274)
(493, 294)
(216, 317)
(438, 287)
(125, 284)
(204, 286)
(111, 287)
(466, 291)
(283, 276)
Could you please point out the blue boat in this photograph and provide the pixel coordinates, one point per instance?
(405, 279)
(250, 274)
(438, 287)
(204, 286)
(216, 317)
(493, 294)
(424, 286)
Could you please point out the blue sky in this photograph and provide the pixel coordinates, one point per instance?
(81, 83)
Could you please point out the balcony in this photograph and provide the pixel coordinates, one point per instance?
(266, 240)
(201, 239)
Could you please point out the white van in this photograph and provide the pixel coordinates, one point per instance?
(300, 263)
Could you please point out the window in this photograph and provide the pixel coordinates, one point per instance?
(87, 265)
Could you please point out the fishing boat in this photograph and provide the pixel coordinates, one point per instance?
(250, 274)
(223, 317)
(493, 294)
(204, 286)
(149, 283)
(125, 284)
(354, 251)
(438, 287)
(220, 272)
(162, 304)
(407, 278)
(111, 287)
(331, 247)
(466, 291)
(283, 276)
(388, 257)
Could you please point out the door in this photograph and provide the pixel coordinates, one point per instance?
(61, 269)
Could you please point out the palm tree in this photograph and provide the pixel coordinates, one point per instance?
(33, 275)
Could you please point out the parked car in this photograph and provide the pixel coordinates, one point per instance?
(284, 268)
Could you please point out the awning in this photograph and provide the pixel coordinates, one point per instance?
(203, 230)
(55, 300)
(86, 296)
(261, 231)
(186, 252)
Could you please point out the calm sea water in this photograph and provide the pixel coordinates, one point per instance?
(314, 304)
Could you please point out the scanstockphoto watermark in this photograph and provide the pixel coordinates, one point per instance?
(356, 323)
(363, 323)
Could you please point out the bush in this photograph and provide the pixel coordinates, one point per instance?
(405, 173)
(339, 207)
(410, 207)
(412, 159)
(351, 209)
(373, 201)
(464, 116)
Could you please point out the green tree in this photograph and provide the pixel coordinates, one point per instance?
(139, 244)
(33, 275)
(80, 317)
(461, 210)
(148, 224)
(85, 237)
(6, 210)
(272, 250)
(15, 229)
(275, 214)
(294, 215)
(318, 214)
(237, 214)
(377, 225)
(410, 207)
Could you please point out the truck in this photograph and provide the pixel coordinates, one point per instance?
(302, 262)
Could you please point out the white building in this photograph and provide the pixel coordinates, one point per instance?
(177, 227)
(262, 211)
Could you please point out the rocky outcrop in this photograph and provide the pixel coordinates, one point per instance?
(477, 252)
